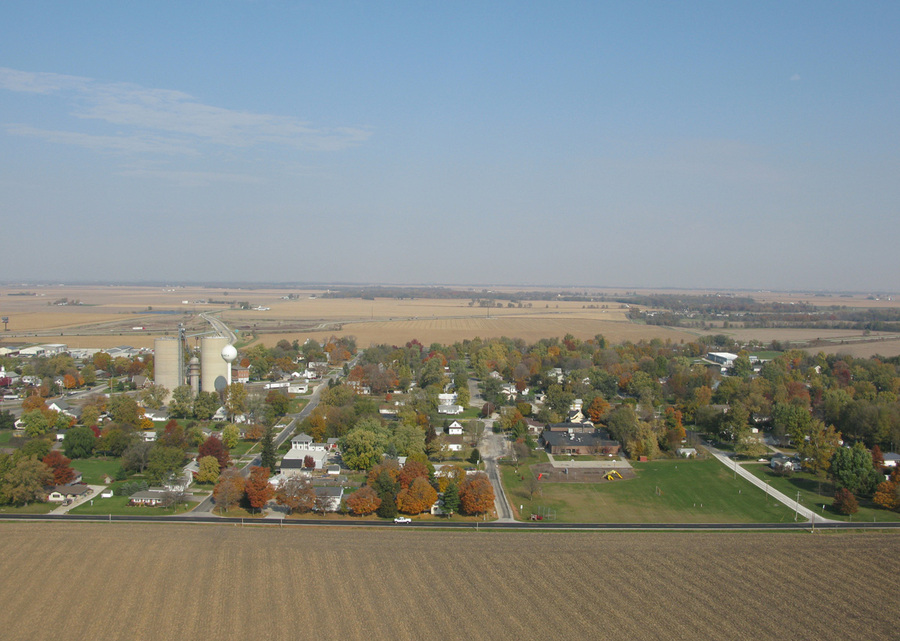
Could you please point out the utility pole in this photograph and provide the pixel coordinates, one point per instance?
(797, 511)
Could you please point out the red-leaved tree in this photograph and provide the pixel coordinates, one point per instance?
(214, 447)
(59, 465)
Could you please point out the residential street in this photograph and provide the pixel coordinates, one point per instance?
(492, 447)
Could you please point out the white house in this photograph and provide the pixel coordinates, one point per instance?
(450, 409)
(331, 496)
(891, 459)
(455, 429)
(447, 399)
(453, 443)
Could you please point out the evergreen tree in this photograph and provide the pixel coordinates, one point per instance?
(451, 498)
(267, 457)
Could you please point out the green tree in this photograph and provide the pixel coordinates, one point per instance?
(36, 423)
(267, 456)
(79, 442)
(231, 435)
(451, 499)
(182, 401)
(26, 480)
(154, 396)
(136, 456)
(205, 405)
(852, 468)
(163, 462)
(124, 410)
(209, 470)
(361, 449)
(816, 446)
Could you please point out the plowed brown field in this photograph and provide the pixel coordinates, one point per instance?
(185, 582)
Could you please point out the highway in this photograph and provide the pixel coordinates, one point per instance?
(193, 517)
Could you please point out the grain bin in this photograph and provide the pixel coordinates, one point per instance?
(168, 364)
(214, 370)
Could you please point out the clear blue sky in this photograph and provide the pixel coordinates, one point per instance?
(697, 144)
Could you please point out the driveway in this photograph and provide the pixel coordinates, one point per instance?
(94, 494)
(731, 464)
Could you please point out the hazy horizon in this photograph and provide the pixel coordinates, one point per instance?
(692, 146)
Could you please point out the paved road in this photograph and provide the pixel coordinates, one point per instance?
(219, 326)
(206, 505)
(492, 447)
(730, 463)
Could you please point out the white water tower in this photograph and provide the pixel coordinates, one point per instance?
(229, 353)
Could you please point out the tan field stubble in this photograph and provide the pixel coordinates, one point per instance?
(148, 582)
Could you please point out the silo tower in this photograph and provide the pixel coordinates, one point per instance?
(215, 371)
(168, 364)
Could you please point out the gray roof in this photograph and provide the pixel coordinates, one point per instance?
(597, 438)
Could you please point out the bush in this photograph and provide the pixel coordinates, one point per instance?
(127, 489)
(845, 502)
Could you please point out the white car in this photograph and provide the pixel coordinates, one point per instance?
(402, 519)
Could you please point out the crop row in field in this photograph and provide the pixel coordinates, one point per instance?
(190, 581)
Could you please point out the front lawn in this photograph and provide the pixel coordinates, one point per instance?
(815, 493)
(119, 505)
(31, 508)
(667, 491)
(241, 448)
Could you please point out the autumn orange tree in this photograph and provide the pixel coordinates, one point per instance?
(229, 490)
(597, 409)
(410, 472)
(257, 487)
(363, 501)
(417, 498)
(59, 466)
(476, 494)
(887, 495)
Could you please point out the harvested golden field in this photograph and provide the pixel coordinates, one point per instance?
(449, 331)
(147, 582)
(884, 348)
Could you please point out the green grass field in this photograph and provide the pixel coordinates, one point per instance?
(815, 494)
(94, 469)
(241, 448)
(5, 436)
(31, 508)
(662, 492)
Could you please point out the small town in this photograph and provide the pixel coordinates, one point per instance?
(470, 320)
(493, 430)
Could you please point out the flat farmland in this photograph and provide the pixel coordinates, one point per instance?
(148, 582)
(451, 330)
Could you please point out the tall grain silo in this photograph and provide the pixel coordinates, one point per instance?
(214, 370)
(168, 364)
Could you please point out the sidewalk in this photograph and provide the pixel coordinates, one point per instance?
(604, 464)
(731, 464)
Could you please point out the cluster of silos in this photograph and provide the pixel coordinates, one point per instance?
(168, 364)
(215, 371)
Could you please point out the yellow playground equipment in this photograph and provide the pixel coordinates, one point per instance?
(612, 475)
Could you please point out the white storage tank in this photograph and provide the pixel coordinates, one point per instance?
(215, 371)
(168, 364)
